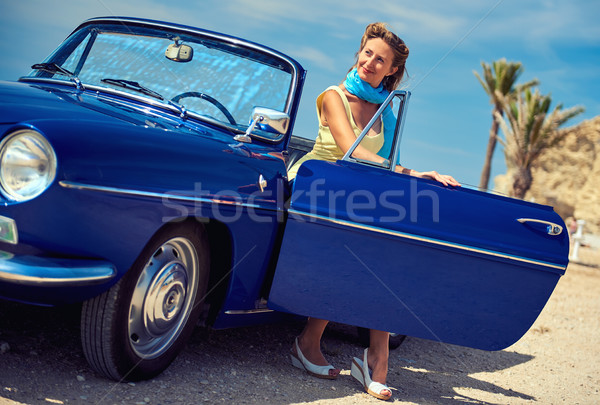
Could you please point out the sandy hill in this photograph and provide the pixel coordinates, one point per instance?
(568, 176)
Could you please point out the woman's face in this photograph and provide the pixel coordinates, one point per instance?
(375, 61)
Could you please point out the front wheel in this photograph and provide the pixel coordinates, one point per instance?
(136, 329)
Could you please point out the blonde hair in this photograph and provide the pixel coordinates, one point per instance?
(399, 48)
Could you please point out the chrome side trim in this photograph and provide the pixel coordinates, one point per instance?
(248, 311)
(164, 196)
(432, 241)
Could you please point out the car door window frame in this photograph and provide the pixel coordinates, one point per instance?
(403, 98)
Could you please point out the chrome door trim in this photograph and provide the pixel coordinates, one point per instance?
(152, 194)
(429, 240)
(248, 311)
(390, 164)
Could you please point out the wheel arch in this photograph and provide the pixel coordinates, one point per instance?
(107, 320)
(221, 253)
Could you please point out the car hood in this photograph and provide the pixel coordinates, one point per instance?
(27, 102)
(130, 145)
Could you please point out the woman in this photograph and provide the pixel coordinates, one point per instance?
(343, 112)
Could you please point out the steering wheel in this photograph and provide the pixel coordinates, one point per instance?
(208, 98)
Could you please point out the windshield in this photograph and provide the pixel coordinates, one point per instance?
(207, 77)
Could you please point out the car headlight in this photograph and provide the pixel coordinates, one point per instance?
(27, 165)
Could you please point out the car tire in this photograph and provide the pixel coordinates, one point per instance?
(364, 338)
(135, 330)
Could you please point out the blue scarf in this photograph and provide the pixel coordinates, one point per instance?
(363, 90)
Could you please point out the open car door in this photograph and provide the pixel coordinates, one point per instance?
(369, 247)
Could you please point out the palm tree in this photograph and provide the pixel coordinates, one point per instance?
(500, 77)
(529, 129)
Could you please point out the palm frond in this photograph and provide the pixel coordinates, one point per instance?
(483, 84)
(529, 128)
(524, 86)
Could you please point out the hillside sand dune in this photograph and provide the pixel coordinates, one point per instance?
(567, 176)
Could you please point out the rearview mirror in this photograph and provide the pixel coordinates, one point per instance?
(179, 53)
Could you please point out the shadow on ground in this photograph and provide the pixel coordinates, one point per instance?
(245, 365)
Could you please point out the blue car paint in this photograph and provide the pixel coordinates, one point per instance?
(444, 270)
(127, 167)
(120, 151)
(425, 207)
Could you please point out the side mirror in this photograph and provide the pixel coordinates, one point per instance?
(268, 120)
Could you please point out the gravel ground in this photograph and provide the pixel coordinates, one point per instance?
(557, 361)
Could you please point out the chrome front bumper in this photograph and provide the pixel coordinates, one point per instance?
(53, 272)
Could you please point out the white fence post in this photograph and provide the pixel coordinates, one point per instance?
(577, 238)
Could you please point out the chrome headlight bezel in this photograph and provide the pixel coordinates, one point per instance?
(27, 165)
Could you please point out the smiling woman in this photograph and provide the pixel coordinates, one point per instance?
(345, 112)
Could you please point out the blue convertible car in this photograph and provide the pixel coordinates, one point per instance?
(143, 173)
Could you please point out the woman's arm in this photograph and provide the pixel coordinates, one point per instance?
(445, 179)
(334, 114)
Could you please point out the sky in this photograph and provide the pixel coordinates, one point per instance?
(449, 114)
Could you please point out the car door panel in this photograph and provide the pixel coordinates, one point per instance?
(447, 264)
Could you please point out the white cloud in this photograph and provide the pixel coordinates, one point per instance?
(277, 12)
(425, 23)
(313, 55)
(327, 15)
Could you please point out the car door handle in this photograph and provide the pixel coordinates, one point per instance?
(262, 183)
(551, 228)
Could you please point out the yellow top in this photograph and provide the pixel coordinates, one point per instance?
(325, 147)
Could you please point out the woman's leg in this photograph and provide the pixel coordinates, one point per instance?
(309, 341)
(379, 353)
(309, 344)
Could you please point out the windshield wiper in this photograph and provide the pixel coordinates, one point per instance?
(53, 67)
(131, 85)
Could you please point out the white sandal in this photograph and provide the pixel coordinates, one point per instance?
(298, 360)
(360, 371)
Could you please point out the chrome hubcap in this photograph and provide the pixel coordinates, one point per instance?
(163, 297)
